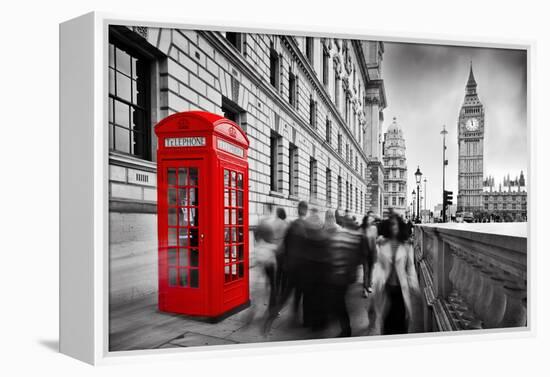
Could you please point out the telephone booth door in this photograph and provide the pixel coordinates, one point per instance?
(182, 277)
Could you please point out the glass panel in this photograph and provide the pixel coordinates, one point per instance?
(194, 278)
(182, 176)
(111, 81)
(122, 140)
(123, 87)
(134, 68)
(239, 198)
(233, 199)
(182, 196)
(111, 55)
(193, 177)
(194, 237)
(233, 216)
(172, 196)
(194, 258)
(233, 235)
(234, 252)
(194, 216)
(234, 269)
(172, 237)
(239, 181)
(240, 234)
(184, 277)
(240, 252)
(172, 216)
(111, 136)
(240, 219)
(194, 196)
(123, 61)
(226, 216)
(241, 269)
(227, 235)
(172, 256)
(233, 179)
(172, 276)
(184, 239)
(226, 253)
(226, 197)
(183, 219)
(226, 271)
(184, 258)
(122, 114)
(171, 176)
(226, 177)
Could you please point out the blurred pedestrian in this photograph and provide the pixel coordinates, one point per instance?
(370, 232)
(396, 296)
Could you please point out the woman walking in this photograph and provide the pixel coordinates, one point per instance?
(395, 283)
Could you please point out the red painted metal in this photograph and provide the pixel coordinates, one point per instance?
(202, 192)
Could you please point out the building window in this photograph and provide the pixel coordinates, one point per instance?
(339, 193)
(362, 209)
(385, 187)
(347, 153)
(324, 68)
(313, 113)
(293, 168)
(347, 195)
(129, 102)
(339, 143)
(293, 89)
(401, 202)
(386, 201)
(328, 177)
(336, 88)
(274, 66)
(235, 39)
(356, 200)
(328, 131)
(234, 112)
(312, 178)
(393, 202)
(309, 49)
(275, 143)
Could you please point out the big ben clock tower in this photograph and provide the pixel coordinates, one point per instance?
(471, 123)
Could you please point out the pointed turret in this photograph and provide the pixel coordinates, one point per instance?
(471, 79)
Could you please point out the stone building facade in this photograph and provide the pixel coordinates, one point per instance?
(395, 164)
(311, 107)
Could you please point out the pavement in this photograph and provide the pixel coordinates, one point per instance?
(139, 325)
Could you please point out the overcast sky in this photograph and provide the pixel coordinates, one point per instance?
(425, 86)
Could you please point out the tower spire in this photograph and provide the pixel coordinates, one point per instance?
(471, 79)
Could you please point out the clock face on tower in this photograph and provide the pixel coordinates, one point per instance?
(472, 124)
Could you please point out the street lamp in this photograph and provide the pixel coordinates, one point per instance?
(418, 176)
(425, 193)
(412, 204)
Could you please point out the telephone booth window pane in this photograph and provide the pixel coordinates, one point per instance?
(184, 240)
(240, 218)
(226, 272)
(194, 237)
(233, 235)
(233, 216)
(194, 278)
(226, 178)
(184, 277)
(172, 276)
(226, 253)
(184, 220)
(194, 216)
(171, 196)
(233, 199)
(240, 252)
(193, 177)
(240, 235)
(172, 259)
(172, 216)
(239, 198)
(182, 176)
(184, 257)
(233, 179)
(182, 196)
(194, 258)
(194, 196)
(234, 270)
(234, 252)
(241, 269)
(226, 197)
(226, 216)
(172, 237)
(239, 181)
(226, 237)
(172, 177)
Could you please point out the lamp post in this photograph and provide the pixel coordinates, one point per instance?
(413, 205)
(444, 132)
(418, 176)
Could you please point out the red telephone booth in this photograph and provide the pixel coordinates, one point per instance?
(202, 215)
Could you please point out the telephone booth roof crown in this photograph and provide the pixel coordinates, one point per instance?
(196, 121)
